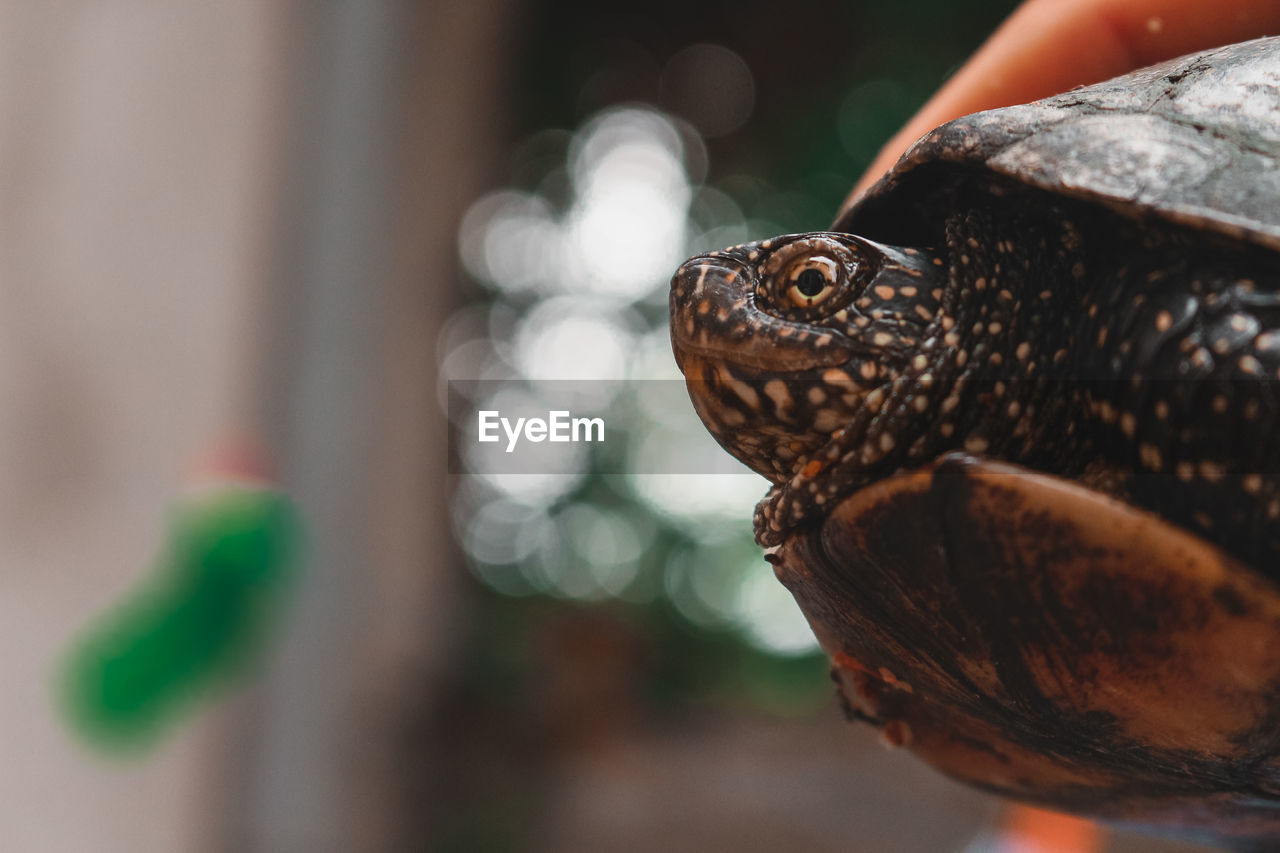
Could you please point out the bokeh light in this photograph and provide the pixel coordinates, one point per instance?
(577, 261)
(626, 229)
(511, 240)
(563, 338)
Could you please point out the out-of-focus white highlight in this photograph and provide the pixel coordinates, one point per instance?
(574, 283)
(623, 232)
(511, 240)
(626, 230)
(564, 339)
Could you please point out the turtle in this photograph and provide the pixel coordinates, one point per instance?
(1019, 409)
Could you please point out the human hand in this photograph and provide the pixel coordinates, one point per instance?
(1050, 46)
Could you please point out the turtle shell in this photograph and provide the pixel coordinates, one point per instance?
(1195, 140)
(1045, 642)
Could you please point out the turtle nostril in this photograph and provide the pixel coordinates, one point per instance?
(705, 272)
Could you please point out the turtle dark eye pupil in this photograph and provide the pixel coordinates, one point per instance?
(811, 282)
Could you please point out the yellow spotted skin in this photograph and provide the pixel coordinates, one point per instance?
(775, 373)
(1138, 358)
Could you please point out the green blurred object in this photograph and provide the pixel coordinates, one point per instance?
(213, 595)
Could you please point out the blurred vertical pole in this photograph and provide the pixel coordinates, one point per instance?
(396, 112)
(333, 275)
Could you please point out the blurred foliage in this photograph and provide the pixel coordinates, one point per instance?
(807, 58)
(832, 81)
(544, 676)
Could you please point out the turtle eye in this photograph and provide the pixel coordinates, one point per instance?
(809, 281)
(809, 277)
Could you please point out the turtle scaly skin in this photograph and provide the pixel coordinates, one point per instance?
(1019, 410)
(1139, 360)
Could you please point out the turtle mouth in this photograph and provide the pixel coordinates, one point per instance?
(714, 316)
(763, 362)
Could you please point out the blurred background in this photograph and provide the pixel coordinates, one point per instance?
(325, 225)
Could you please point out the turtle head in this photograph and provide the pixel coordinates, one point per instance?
(786, 341)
